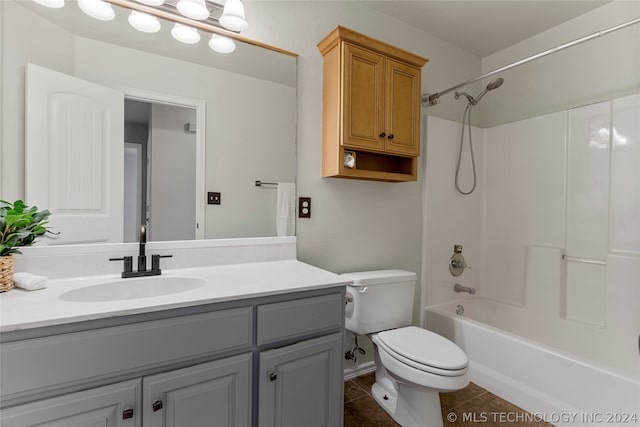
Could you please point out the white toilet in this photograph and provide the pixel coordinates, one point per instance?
(412, 364)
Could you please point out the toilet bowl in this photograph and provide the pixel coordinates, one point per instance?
(412, 364)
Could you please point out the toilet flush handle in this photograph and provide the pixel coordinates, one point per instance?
(363, 289)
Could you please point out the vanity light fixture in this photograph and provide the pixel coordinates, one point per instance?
(56, 4)
(145, 13)
(194, 9)
(97, 9)
(233, 16)
(144, 22)
(185, 34)
(222, 44)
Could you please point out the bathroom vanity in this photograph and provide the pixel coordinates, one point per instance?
(257, 344)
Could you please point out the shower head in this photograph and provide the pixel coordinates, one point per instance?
(495, 84)
(491, 86)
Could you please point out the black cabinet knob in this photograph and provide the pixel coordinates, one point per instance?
(390, 136)
(382, 134)
(127, 413)
(273, 376)
(157, 405)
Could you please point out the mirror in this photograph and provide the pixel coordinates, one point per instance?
(244, 103)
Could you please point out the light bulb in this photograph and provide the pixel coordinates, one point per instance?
(152, 2)
(222, 44)
(51, 3)
(233, 16)
(194, 9)
(185, 34)
(144, 22)
(97, 9)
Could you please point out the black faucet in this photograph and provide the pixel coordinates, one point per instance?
(142, 259)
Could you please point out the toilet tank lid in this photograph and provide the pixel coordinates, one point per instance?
(376, 277)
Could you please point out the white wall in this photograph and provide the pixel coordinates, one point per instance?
(451, 218)
(355, 225)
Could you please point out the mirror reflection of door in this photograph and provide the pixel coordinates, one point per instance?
(159, 171)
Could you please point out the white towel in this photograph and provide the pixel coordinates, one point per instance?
(286, 209)
(29, 281)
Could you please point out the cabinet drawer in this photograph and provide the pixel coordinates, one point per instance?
(39, 363)
(297, 318)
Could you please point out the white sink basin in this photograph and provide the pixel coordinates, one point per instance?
(125, 289)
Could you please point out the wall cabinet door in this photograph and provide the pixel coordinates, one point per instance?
(109, 406)
(363, 112)
(301, 384)
(402, 110)
(381, 103)
(217, 394)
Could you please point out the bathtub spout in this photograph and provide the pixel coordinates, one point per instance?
(460, 288)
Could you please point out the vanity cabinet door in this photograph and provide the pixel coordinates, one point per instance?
(301, 384)
(216, 393)
(115, 405)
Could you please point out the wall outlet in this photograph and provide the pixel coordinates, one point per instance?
(213, 198)
(304, 207)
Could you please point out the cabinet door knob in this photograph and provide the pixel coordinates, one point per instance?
(157, 405)
(382, 134)
(273, 376)
(127, 413)
(390, 136)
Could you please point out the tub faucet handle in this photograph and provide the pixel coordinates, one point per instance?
(457, 263)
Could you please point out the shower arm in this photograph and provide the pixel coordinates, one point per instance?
(429, 100)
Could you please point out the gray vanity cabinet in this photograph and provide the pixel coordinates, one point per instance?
(267, 361)
(299, 384)
(109, 406)
(216, 393)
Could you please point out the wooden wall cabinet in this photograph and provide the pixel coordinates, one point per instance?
(371, 108)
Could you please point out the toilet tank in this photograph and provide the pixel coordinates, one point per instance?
(379, 300)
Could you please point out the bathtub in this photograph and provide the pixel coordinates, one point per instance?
(550, 383)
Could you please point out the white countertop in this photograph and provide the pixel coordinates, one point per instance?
(21, 309)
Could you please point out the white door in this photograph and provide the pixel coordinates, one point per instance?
(74, 150)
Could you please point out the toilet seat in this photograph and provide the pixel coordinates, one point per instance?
(423, 350)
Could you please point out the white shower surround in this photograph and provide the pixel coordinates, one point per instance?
(514, 233)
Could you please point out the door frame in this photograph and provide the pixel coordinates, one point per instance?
(200, 106)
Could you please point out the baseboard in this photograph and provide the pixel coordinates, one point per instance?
(357, 371)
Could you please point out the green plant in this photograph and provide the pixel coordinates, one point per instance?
(20, 225)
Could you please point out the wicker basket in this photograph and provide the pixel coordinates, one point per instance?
(6, 273)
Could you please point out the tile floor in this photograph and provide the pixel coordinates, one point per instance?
(471, 406)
